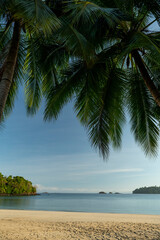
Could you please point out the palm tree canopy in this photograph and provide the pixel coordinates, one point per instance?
(35, 19)
(104, 55)
(103, 74)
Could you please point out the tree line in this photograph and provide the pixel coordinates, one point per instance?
(105, 55)
(15, 186)
(147, 190)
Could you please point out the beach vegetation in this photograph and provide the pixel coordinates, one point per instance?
(147, 190)
(16, 186)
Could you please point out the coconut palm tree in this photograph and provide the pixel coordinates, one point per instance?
(104, 55)
(20, 21)
(115, 69)
(65, 45)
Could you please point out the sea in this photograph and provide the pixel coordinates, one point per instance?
(78, 202)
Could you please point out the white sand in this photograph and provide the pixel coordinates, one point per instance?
(43, 225)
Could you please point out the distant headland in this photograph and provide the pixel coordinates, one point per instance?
(16, 186)
(147, 190)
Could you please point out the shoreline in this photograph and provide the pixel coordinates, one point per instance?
(18, 195)
(65, 211)
(80, 216)
(47, 225)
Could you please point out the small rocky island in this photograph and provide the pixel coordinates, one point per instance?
(108, 193)
(147, 190)
(16, 186)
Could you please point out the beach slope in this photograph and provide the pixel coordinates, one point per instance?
(33, 225)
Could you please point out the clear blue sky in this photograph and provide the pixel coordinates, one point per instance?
(57, 156)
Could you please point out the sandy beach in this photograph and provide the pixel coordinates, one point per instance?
(27, 225)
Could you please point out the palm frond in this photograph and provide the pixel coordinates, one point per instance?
(3, 6)
(99, 105)
(151, 6)
(137, 41)
(88, 12)
(143, 122)
(106, 122)
(33, 78)
(35, 14)
(5, 35)
(91, 79)
(52, 59)
(75, 43)
(19, 74)
(60, 94)
(11, 99)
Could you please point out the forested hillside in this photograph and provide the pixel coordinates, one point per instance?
(148, 190)
(16, 186)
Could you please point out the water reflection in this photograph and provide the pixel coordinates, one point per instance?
(15, 202)
(109, 203)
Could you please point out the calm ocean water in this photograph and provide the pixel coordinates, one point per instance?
(108, 203)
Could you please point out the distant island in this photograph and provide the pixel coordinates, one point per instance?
(16, 186)
(109, 192)
(147, 190)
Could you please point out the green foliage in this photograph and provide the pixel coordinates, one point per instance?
(34, 14)
(106, 80)
(147, 190)
(16, 186)
(85, 51)
(101, 74)
(142, 117)
(35, 19)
